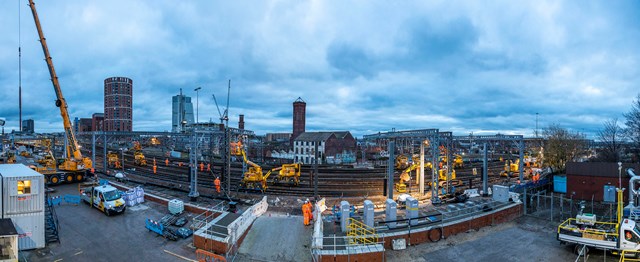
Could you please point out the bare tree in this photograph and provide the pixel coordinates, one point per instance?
(633, 127)
(562, 146)
(611, 136)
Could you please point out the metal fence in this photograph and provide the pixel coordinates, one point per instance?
(543, 203)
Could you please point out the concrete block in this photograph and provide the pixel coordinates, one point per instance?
(391, 213)
(368, 213)
(412, 210)
(344, 215)
(399, 244)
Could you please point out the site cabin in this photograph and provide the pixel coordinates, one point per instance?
(600, 235)
(105, 198)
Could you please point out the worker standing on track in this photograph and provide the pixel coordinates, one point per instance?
(201, 166)
(217, 184)
(155, 169)
(166, 162)
(208, 167)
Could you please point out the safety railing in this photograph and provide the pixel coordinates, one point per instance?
(603, 230)
(630, 255)
(360, 233)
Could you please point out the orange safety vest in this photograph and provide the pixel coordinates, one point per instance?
(166, 162)
(208, 167)
(201, 167)
(216, 182)
(155, 168)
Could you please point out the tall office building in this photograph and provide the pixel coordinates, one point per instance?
(181, 113)
(28, 126)
(118, 104)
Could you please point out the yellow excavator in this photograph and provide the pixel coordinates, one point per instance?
(253, 177)
(458, 162)
(138, 156)
(402, 162)
(405, 176)
(75, 167)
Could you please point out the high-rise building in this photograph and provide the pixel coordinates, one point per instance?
(118, 104)
(28, 126)
(182, 113)
(97, 122)
(299, 111)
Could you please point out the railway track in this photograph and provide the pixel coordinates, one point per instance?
(332, 181)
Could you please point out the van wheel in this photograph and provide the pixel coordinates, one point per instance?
(106, 212)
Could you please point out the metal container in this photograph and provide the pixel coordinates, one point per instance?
(560, 184)
(23, 202)
(22, 190)
(30, 229)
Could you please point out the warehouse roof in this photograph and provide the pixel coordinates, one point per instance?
(321, 136)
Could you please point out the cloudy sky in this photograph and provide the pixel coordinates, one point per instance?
(363, 66)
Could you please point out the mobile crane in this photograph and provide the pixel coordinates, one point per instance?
(75, 166)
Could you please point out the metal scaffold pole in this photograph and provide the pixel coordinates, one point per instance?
(392, 146)
(193, 166)
(104, 152)
(315, 171)
(485, 175)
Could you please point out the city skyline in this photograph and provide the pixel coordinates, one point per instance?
(462, 67)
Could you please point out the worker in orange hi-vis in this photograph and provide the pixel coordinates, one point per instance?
(309, 209)
(217, 184)
(155, 169)
(201, 166)
(305, 213)
(166, 162)
(209, 167)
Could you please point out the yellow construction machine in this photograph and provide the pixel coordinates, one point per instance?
(287, 173)
(511, 167)
(112, 160)
(138, 156)
(75, 166)
(405, 176)
(458, 162)
(402, 162)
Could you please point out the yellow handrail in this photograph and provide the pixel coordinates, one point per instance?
(359, 233)
(565, 226)
(628, 252)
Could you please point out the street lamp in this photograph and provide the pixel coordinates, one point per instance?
(197, 89)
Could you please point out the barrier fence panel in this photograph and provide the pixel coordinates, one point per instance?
(558, 207)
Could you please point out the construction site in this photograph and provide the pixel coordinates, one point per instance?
(215, 191)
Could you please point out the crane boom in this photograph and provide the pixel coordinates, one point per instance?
(73, 149)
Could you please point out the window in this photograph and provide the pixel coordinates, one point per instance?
(24, 187)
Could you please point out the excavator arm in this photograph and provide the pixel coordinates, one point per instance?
(73, 149)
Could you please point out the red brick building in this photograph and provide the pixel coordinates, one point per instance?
(97, 122)
(118, 104)
(586, 180)
(331, 145)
